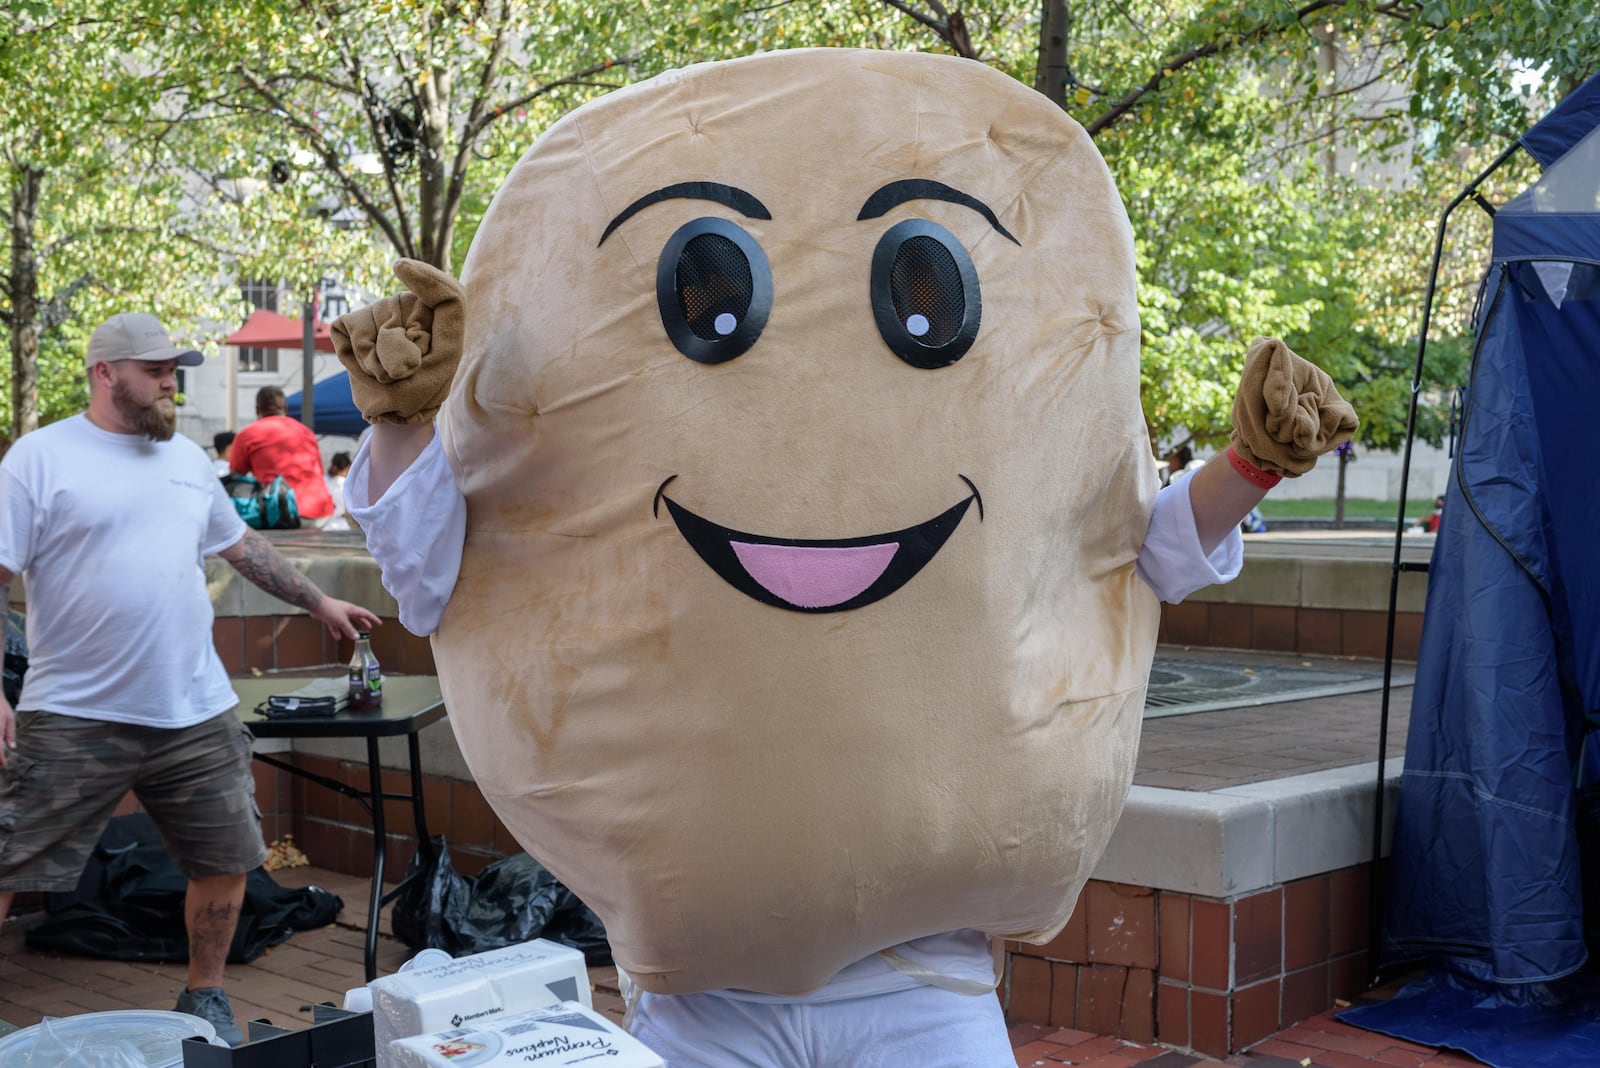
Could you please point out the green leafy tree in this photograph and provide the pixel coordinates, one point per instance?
(94, 225)
(1284, 165)
(399, 117)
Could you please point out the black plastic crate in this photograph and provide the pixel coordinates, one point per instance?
(335, 1039)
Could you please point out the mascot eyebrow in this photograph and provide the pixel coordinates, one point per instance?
(733, 197)
(897, 193)
(878, 204)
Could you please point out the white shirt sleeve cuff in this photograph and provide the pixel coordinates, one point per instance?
(415, 532)
(1171, 560)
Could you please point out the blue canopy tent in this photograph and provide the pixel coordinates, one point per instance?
(1486, 879)
(336, 409)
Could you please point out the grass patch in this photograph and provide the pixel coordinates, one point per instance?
(1354, 508)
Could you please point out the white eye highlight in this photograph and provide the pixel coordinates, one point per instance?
(917, 325)
(725, 324)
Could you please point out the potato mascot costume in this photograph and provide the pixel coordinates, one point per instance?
(799, 430)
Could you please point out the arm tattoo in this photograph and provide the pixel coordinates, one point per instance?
(263, 565)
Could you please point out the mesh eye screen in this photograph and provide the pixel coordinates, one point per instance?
(713, 280)
(926, 281)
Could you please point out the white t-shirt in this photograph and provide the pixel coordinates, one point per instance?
(340, 519)
(112, 531)
(420, 574)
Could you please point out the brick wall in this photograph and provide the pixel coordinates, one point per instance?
(1289, 629)
(1197, 973)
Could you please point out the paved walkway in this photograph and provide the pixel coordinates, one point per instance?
(1320, 1042)
(316, 966)
(1231, 747)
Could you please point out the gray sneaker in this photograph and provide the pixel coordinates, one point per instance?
(210, 1003)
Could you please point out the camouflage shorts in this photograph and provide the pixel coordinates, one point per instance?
(67, 775)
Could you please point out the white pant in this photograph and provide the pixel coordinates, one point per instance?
(923, 1026)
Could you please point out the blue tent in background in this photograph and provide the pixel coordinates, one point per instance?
(1487, 867)
(333, 409)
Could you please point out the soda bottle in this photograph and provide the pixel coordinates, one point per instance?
(366, 679)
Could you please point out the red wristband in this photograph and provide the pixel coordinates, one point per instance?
(1264, 479)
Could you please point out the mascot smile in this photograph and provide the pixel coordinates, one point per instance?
(817, 575)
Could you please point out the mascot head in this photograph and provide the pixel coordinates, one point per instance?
(805, 469)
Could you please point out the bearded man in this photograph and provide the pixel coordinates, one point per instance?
(111, 515)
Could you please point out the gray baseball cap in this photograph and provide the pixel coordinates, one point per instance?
(136, 336)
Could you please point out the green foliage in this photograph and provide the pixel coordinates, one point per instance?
(1276, 507)
(215, 140)
(1284, 176)
(112, 226)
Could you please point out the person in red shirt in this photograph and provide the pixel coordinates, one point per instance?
(1430, 522)
(276, 445)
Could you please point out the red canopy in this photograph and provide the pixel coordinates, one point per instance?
(269, 330)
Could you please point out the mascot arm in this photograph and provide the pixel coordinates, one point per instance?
(402, 351)
(1172, 560)
(415, 531)
(1221, 496)
(1286, 413)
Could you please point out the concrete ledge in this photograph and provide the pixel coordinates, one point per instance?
(1245, 838)
(1304, 573)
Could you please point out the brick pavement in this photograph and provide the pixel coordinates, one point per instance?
(1320, 1042)
(317, 966)
(1231, 747)
(281, 986)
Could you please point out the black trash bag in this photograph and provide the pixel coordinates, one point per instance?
(16, 655)
(129, 905)
(511, 901)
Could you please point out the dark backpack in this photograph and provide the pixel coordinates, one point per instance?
(263, 507)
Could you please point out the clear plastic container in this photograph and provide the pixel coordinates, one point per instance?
(428, 957)
(98, 1037)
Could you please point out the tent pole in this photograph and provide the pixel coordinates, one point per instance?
(1376, 881)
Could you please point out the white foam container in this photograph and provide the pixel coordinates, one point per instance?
(473, 991)
(554, 1037)
(155, 1037)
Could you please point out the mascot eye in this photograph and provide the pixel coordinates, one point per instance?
(714, 290)
(925, 294)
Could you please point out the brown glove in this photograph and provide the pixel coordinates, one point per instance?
(402, 351)
(1287, 411)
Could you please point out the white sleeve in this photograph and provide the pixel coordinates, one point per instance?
(18, 520)
(1171, 560)
(415, 532)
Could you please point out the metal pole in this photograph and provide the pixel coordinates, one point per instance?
(308, 372)
(1376, 887)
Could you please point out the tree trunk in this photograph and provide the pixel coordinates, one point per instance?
(24, 300)
(1338, 500)
(433, 173)
(1055, 29)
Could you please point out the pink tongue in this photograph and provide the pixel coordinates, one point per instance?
(815, 576)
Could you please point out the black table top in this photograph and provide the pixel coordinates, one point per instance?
(410, 702)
